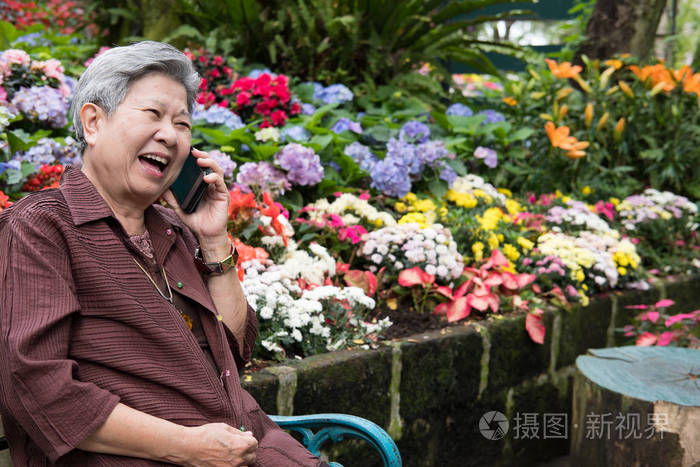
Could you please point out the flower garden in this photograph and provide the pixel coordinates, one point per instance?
(360, 218)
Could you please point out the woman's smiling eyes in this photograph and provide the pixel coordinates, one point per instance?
(157, 113)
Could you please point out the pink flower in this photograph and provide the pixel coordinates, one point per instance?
(3, 94)
(336, 221)
(16, 56)
(364, 196)
(52, 68)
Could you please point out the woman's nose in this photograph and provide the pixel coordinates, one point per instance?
(167, 133)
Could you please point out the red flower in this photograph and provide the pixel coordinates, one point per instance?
(278, 118)
(203, 84)
(295, 109)
(242, 99)
(217, 60)
(244, 84)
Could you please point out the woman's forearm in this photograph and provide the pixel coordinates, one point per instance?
(130, 432)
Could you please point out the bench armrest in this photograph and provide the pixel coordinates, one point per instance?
(334, 427)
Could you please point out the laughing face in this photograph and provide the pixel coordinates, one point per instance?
(135, 154)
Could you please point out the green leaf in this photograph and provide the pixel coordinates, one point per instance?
(521, 134)
(319, 142)
(466, 125)
(292, 199)
(438, 187)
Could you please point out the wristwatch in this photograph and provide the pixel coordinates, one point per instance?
(216, 268)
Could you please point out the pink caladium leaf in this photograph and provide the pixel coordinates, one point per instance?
(441, 309)
(535, 327)
(646, 339)
(665, 338)
(458, 309)
(652, 316)
(415, 276)
(664, 303)
(444, 291)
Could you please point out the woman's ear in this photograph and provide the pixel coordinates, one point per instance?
(90, 117)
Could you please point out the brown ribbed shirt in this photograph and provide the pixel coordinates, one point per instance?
(82, 328)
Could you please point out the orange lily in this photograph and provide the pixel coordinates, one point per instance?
(559, 137)
(563, 70)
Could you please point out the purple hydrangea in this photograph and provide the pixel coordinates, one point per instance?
(448, 174)
(260, 71)
(345, 124)
(48, 151)
(491, 116)
(294, 133)
(262, 175)
(361, 155)
(459, 110)
(404, 154)
(414, 132)
(333, 94)
(489, 156)
(391, 177)
(42, 103)
(217, 115)
(302, 164)
(307, 109)
(224, 161)
(431, 151)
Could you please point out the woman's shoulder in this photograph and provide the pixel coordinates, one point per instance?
(44, 203)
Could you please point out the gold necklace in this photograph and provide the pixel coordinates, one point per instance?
(165, 276)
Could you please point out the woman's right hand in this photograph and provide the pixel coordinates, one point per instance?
(218, 444)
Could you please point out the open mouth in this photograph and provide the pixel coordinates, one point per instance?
(156, 162)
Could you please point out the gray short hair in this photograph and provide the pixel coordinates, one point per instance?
(106, 81)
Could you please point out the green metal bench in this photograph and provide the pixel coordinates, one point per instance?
(330, 427)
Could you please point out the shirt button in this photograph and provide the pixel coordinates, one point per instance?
(219, 317)
(169, 232)
(179, 285)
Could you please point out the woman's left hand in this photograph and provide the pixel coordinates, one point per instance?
(208, 222)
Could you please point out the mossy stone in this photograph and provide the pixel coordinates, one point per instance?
(514, 356)
(352, 382)
(438, 368)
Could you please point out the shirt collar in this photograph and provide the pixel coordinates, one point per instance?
(84, 201)
(86, 204)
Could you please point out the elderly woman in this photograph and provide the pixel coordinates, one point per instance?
(123, 323)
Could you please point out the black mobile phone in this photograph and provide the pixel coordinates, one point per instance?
(189, 187)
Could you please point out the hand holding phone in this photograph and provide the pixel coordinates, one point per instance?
(189, 187)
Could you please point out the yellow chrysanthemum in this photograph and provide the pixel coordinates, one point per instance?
(400, 206)
(410, 197)
(416, 217)
(580, 276)
(513, 206)
(586, 190)
(505, 191)
(511, 252)
(493, 241)
(463, 200)
(622, 270)
(525, 243)
(423, 205)
(478, 250)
